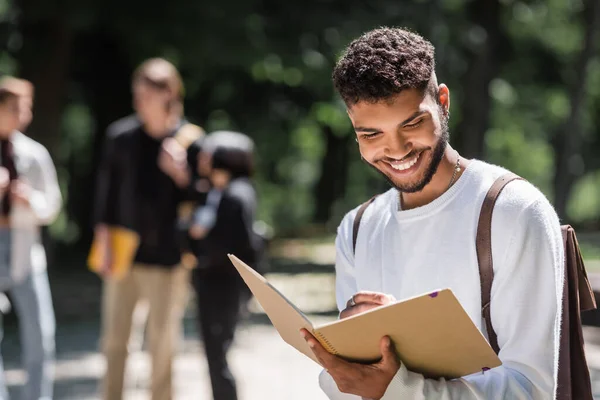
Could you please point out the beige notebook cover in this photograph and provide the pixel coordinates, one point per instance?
(432, 333)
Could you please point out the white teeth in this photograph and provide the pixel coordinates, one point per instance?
(406, 164)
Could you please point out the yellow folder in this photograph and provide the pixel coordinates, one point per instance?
(432, 333)
(124, 244)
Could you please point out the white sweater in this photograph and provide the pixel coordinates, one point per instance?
(410, 252)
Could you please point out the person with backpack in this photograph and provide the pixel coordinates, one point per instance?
(223, 224)
(434, 229)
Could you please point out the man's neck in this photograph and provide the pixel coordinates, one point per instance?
(439, 183)
(159, 129)
(156, 131)
(6, 135)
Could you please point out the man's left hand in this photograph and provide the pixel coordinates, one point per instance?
(369, 381)
(21, 193)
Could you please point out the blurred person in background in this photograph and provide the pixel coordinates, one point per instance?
(142, 180)
(25, 90)
(223, 225)
(30, 198)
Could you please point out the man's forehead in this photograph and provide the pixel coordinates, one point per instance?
(405, 103)
(16, 86)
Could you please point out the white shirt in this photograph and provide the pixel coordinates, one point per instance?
(206, 215)
(411, 252)
(35, 167)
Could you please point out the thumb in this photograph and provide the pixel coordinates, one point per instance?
(388, 352)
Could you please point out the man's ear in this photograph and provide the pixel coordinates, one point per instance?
(444, 97)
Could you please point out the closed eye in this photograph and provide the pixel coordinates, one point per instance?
(414, 124)
(371, 135)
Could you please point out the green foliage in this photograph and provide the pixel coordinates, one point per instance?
(585, 201)
(264, 68)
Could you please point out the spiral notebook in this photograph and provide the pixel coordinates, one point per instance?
(432, 333)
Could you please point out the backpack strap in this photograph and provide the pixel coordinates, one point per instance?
(484, 252)
(357, 218)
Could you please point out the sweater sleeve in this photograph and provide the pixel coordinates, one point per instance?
(345, 280)
(525, 308)
(46, 199)
(345, 286)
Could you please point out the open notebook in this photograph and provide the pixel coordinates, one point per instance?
(432, 333)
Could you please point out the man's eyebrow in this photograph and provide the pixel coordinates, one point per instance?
(370, 130)
(416, 114)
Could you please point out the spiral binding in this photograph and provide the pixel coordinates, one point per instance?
(325, 343)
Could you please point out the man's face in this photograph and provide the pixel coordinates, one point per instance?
(9, 116)
(149, 103)
(404, 138)
(204, 164)
(25, 111)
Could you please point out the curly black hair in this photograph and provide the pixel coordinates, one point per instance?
(383, 62)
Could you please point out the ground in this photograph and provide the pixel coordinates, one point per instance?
(266, 368)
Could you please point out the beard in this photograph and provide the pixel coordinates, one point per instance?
(430, 169)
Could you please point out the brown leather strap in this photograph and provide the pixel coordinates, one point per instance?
(484, 252)
(573, 381)
(357, 219)
(587, 300)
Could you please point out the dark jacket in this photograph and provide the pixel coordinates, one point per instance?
(233, 231)
(133, 192)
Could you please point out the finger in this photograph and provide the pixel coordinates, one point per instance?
(373, 297)
(165, 154)
(358, 309)
(171, 146)
(389, 357)
(350, 303)
(168, 147)
(174, 157)
(20, 187)
(16, 191)
(168, 142)
(326, 359)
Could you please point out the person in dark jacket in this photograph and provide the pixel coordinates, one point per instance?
(223, 225)
(142, 182)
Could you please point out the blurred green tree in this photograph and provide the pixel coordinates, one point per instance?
(524, 76)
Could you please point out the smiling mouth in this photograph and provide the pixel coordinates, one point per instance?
(405, 163)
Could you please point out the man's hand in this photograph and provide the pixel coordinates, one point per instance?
(369, 381)
(102, 235)
(4, 181)
(173, 162)
(21, 193)
(364, 301)
(198, 232)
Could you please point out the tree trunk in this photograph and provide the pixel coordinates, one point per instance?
(483, 67)
(334, 171)
(44, 60)
(568, 145)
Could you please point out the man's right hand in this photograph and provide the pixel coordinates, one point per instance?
(365, 301)
(198, 232)
(103, 237)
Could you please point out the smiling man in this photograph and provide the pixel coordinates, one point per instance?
(420, 235)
